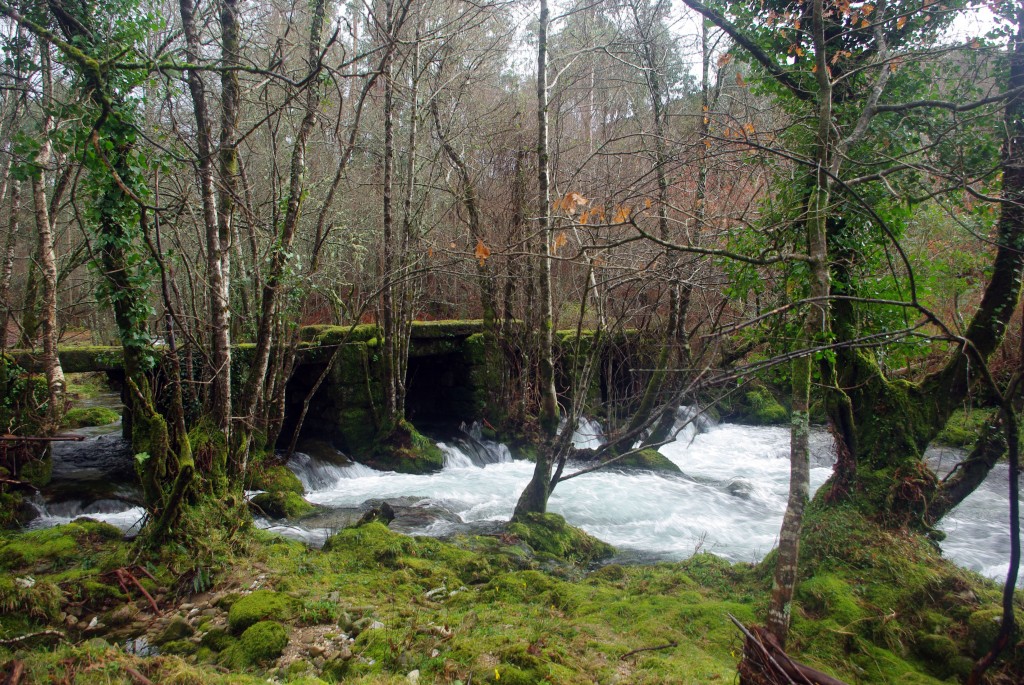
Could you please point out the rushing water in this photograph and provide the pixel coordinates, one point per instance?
(729, 499)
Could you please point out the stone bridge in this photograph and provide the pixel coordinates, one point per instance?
(447, 380)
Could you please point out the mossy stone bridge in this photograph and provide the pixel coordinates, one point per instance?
(448, 380)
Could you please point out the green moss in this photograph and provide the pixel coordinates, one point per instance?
(964, 427)
(550, 534)
(179, 647)
(759, 407)
(177, 629)
(647, 460)
(983, 626)
(39, 600)
(259, 606)
(263, 641)
(58, 545)
(275, 479)
(217, 640)
(90, 416)
(829, 596)
(210, 452)
(91, 358)
(281, 505)
(372, 542)
(405, 450)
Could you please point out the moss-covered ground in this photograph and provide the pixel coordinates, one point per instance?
(378, 607)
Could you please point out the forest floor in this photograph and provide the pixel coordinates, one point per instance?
(375, 606)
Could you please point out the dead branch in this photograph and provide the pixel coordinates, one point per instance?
(670, 645)
(137, 677)
(31, 636)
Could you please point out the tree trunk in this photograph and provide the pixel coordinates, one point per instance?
(546, 363)
(815, 329)
(215, 276)
(228, 173)
(534, 498)
(47, 260)
(266, 339)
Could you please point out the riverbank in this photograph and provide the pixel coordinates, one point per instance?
(378, 607)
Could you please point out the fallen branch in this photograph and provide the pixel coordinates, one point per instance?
(137, 677)
(670, 645)
(31, 636)
(125, 577)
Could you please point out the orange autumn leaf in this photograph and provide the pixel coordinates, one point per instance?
(560, 241)
(482, 252)
(901, 22)
(739, 80)
(570, 202)
(621, 215)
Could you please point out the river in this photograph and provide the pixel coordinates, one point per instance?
(729, 499)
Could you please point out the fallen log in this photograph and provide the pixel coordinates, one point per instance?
(765, 662)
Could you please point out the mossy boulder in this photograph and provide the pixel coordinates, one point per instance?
(177, 629)
(371, 542)
(263, 641)
(550, 534)
(983, 627)
(647, 460)
(81, 417)
(217, 640)
(179, 647)
(405, 450)
(759, 407)
(281, 505)
(275, 479)
(261, 605)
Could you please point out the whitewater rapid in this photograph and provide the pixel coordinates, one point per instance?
(729, 499)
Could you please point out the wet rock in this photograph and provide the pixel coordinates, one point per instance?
(740, 488)
(177, 629)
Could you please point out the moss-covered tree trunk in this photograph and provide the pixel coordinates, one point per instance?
(886, 425)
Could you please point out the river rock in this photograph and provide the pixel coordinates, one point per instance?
(740, 488)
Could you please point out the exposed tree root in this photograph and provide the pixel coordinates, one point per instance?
(765, 663)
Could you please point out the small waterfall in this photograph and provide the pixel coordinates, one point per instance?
(588, 434)
(318, 474)
(479, 451)
(454, 458)
(124, 515)
(691, 422)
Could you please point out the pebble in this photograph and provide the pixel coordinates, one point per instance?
(317, 651)
(414, 677)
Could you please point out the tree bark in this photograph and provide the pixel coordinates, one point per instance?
(46, 259)
(815, 328)
(534, 498)
(215, 276)
(546, 363)
(266, 339)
